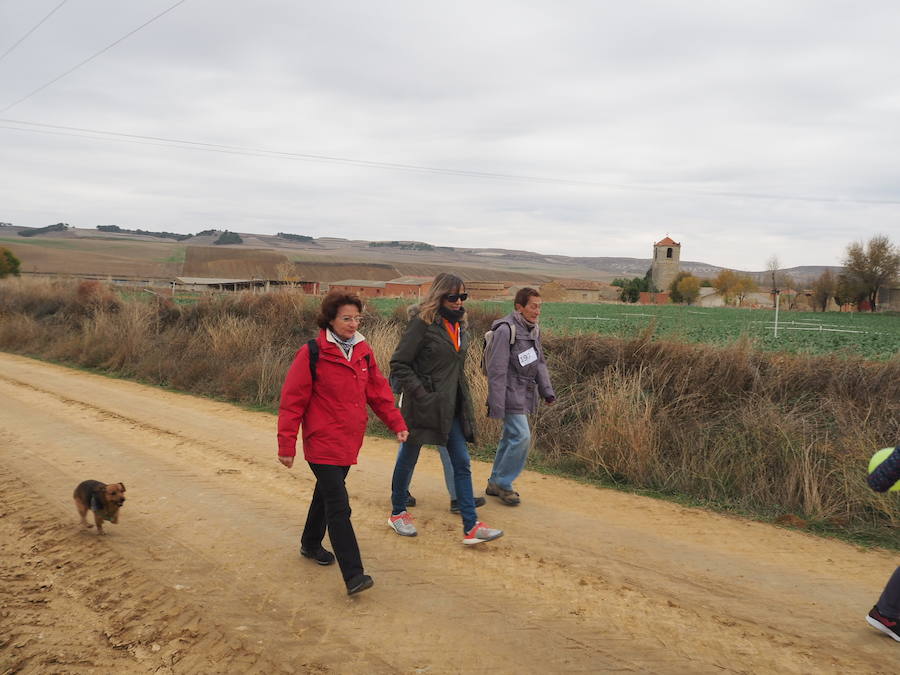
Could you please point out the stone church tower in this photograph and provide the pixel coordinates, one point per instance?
(665, 265)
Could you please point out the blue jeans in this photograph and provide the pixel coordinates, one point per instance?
(462, 475)
(448, 471)
(512, 451)
(889, 602)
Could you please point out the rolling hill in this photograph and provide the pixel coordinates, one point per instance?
(78, 251)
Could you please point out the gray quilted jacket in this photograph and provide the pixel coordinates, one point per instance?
(513, 388)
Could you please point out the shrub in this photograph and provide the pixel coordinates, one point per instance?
(228, 238)
(9, 264)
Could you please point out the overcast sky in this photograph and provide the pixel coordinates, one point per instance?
(740, 129)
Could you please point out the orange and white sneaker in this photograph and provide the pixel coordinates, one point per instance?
(402, 524)
(481, 533)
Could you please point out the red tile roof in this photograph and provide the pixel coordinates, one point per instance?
(667, 242)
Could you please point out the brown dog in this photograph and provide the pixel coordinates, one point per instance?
(104, 500)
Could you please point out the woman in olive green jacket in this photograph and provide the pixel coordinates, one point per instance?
(429, 367)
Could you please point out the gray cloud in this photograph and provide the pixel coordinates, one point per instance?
(648, 108)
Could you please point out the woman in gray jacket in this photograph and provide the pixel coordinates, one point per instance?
(429, 365)
(517, 375)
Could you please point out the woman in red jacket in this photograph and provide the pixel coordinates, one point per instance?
(326, 390)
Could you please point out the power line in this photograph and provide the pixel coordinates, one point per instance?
(161, 141)
(91, 58)
(261, 152)
(24, 37)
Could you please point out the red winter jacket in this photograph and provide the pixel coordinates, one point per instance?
(333, 408)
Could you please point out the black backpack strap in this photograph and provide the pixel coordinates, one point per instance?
(313, 347)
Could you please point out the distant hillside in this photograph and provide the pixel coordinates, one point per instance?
(139, 253)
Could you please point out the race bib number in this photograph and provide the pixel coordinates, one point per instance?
(528, 356)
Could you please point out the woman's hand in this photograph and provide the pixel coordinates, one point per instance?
(287, 461)
(401, 436)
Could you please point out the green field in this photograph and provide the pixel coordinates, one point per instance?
(875, 336)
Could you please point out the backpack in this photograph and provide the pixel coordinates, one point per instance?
(313, 347)
(489, 343)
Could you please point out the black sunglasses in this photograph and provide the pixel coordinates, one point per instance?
(453, 297)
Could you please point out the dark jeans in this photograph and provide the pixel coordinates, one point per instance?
(330, 508)
(889, 602)
(462, 475)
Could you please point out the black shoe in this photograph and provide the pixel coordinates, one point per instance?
(359, 583)
(410, 500)
(454, 504)
(885, 624)
(321, 556)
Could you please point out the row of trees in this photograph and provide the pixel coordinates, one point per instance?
(685, 288)
(632, 288)
(867, 268)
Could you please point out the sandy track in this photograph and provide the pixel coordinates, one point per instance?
(202, 573)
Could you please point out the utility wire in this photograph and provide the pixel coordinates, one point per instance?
(100, 135)
(24, 37)
(260, 152)
(91, 58)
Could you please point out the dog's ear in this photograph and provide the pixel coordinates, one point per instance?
(122, 485)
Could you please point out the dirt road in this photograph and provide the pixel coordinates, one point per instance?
(202, 573)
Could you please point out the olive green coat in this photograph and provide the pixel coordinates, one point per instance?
(431, 376)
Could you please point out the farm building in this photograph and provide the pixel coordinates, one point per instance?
(485, 290)
(649, 298)
(223, 284)
(578, 290)
(889, 297)
(361, 287)
(399, 287)
(407, 287)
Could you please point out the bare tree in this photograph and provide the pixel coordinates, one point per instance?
(872, 266)
(848, 291)
(823, 290)
(790, 290)
(742, 287)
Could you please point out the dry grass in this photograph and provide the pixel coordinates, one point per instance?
(759, 431)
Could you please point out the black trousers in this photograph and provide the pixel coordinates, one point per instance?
(330, 509)
(889, 602)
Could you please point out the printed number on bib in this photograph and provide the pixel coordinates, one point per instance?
(528, 356)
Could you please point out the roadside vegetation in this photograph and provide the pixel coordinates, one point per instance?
(767, 433)
(873, 336)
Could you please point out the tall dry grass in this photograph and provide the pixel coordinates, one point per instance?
(759, 431)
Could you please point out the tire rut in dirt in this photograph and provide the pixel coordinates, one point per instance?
(72, 604)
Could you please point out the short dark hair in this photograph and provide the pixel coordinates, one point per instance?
(524, 294)
(331, 303)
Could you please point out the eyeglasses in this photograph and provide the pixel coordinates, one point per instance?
(453, 297)
(350, 319)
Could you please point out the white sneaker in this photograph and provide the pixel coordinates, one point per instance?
(481, 533)
(403, 524)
